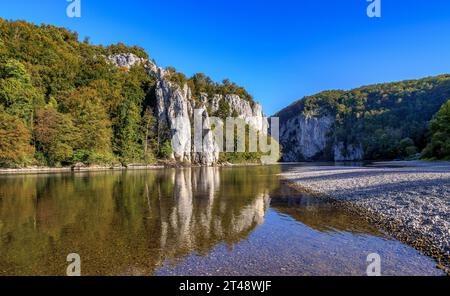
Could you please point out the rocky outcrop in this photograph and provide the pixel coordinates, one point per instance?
(175, 109)
(209, 154)
(310, 138)
(305, 138)
(174, 113)
(126, 60)
(251, 114)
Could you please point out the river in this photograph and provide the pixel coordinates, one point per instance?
(192, 221)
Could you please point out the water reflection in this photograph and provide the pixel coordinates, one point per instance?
(318, 214)
(126, 222)
(236, 221)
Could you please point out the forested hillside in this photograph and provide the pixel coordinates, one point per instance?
(62, 101)
(388, 120)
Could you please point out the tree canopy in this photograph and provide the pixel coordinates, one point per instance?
(69, 103)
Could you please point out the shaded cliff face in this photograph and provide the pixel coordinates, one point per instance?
(304, 137)
(176, 107)
(310, 138)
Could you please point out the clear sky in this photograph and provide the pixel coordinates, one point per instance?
(280, 50)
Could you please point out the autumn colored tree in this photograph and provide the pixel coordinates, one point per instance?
(75, 103)
(55, 135)
(93, 125)
(15, 148)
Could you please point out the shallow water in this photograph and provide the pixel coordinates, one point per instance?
(200, 221)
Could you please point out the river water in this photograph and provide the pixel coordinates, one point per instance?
(193, 221)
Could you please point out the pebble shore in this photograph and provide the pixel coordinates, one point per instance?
(409, 200)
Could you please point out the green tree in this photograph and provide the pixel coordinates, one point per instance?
(439, 146)
(407, 148)
(166, 149)
(129, 137)
(224, 110)
(17, 94)
(150, 135)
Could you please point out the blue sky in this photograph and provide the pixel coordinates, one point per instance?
(279, 50)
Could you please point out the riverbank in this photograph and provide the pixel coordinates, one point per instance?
(409, 200)
(45, 170)
(96, 168)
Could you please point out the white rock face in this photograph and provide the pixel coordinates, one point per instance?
(126, 60)
(210, 150)
(175, 112)
(309, 138)
(251, 115)
(305, 137)
(174, 102)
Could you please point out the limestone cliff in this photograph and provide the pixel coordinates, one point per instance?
(175, 107)
(311, 138)
(305, 137)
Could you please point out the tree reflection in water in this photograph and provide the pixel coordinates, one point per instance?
(127, 222)
(185, 221)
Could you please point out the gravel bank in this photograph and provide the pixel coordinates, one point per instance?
(410, 200)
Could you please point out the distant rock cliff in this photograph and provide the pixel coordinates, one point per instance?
(309, 138)
(374, 122)
(304, 137)
(175, 107)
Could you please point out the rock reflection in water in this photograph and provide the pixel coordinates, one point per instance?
(126, 222)
(200, 221)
